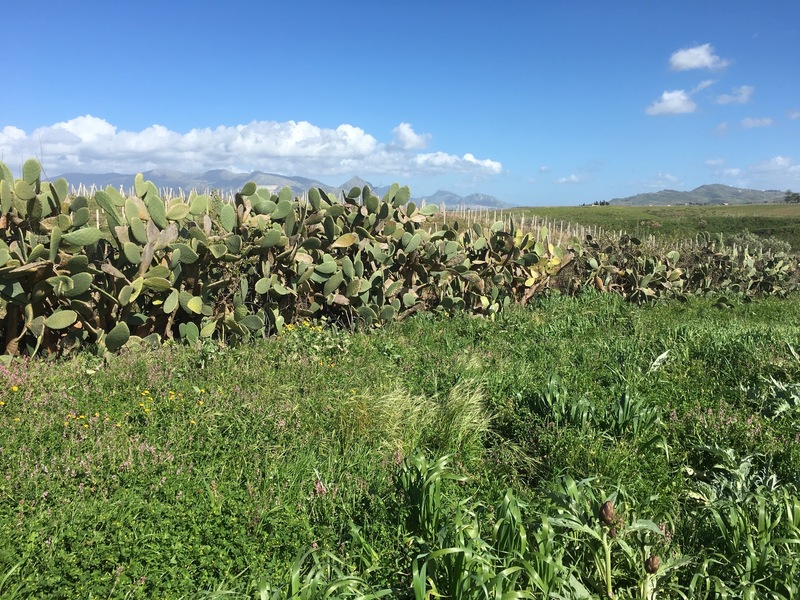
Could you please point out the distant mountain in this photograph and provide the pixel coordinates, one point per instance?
(453, 201)
(89, 180)
(224, 181)
(705, 194)
(218, 179)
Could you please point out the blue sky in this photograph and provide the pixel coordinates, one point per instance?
(533, 102)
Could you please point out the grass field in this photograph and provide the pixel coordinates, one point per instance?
(781, 221)
(460, 456)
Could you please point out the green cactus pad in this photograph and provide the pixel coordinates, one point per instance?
(345, 240)
(132, 253)
(227, 217)
(82, 237)
(24, 190)
(158, 212)
(31, 171)
(171, 303)
(262, 285)
(117, 337)
(157, 284)
(178, 211)
(270, 239)
(249, 188)
(61, 319)
(81, 282)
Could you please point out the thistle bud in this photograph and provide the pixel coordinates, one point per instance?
(652, 564)
(607, 513)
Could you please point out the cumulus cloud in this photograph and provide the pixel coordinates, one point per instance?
(675, 102)
(750, 123)
(741, 95)
(697, 57)
(91, 144)
(441, 162)
(794, 115)
(408, 139)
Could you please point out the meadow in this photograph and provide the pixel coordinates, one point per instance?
(276, 397)
(666, 223)
(577, 447)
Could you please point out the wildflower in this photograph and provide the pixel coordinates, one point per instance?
(16, 419)
(119, 424)
(14, 388)
(192, 421)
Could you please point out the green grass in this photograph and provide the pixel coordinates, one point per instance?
(781, 221)
(188, 472)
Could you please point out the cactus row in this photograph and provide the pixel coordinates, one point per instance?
(116, 270)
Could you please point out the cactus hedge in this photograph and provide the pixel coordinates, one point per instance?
(115, 270)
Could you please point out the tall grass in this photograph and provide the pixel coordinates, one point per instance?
(284, 469)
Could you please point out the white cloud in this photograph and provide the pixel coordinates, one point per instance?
(91, 144)
(11, 134)
(544, 169)
(672, 103)
(741, 95)
(662, 180)
(697, 57)
(794, 115)
(703, 85)
(408, 139)
(715, 162)
(777, 164)
(722, 128)
(750, 123)
(778, 172)
(571, 179)
(442, 162)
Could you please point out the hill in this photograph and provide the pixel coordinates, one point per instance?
(705, 194)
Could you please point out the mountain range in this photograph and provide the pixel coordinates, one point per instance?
(226, 181)
(705, 194)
